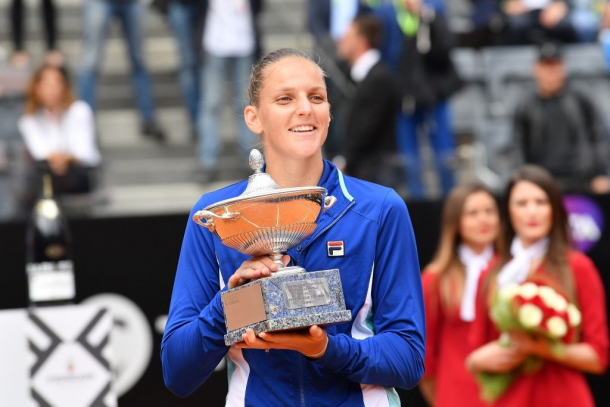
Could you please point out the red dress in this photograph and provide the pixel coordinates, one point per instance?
(555, 385)
(446, 349)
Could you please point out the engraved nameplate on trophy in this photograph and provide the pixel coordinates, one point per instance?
(307, 293)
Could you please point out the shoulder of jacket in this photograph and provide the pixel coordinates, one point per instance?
(80, 107)
(579, 259)
(25, 118)
(228, 192)
(430, 274)
(365, 190)
(372, 198)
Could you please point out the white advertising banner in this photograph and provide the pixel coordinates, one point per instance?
(56, 357)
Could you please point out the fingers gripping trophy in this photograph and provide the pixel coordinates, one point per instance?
(268, 220)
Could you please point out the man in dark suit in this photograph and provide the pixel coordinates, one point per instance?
(369, 142)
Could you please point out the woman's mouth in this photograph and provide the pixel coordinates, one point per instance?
(302, 129)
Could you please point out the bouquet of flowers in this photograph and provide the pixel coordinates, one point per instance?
(537, 310)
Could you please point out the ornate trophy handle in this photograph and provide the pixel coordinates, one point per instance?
(210, 216)
(329, 201)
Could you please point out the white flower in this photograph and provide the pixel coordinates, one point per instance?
(547, 294)
(557, 327)
(574, 315)
(528, 290)
(552, 299)
(508, 292)
(560, 304)
(530, 315)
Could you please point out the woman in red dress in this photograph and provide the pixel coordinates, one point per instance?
(470, 227)
(536, 246)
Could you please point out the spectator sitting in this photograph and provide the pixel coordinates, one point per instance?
(531, 21)
(369, 133)
(59, 131)
(559, 128)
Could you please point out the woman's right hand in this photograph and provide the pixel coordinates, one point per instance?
(494, 358)
(253, 269)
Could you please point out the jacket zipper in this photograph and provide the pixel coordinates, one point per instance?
(301, 357)
(301, 385)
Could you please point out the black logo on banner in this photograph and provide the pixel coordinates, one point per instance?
(44, 355)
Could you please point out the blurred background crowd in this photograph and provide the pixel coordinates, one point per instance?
(136, 106)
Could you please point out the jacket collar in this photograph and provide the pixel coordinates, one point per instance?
(332, 179)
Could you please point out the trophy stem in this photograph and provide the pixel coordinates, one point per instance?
(281, 269)
(277, 259)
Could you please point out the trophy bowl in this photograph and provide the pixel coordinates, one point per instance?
(265, 219)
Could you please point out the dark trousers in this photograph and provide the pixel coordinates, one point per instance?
(49, 19)
(526, 29)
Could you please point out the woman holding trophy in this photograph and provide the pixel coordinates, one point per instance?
(366, 235)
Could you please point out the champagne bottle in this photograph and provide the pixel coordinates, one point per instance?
(49, 266)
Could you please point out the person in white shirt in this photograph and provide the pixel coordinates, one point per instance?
(58, 130)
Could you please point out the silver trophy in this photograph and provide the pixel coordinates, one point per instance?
(268, 220)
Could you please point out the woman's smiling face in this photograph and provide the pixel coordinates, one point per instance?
(293, 113)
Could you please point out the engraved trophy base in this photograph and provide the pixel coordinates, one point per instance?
(284, 301)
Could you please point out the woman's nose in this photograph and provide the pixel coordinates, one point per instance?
(532, 208)
(303, 106)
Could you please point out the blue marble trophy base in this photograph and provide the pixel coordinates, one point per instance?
(284, 301)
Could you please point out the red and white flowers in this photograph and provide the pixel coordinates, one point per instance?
(537, 310)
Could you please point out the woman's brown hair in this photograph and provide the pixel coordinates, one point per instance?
(555, 260)
(258, 70)
(32, 103)
(446, 261)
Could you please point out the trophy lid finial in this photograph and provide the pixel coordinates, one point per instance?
(256, 160)
(259, 181)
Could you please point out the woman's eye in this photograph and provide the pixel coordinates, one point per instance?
(283, 99)
(317, 98)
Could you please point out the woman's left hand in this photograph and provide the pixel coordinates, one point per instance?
(311, 343)
(535, 345)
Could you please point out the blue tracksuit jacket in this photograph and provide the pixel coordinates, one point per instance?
(381, 348)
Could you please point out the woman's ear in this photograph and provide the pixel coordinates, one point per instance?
(252, 120)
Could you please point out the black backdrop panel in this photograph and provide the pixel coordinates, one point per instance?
(137, 256)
